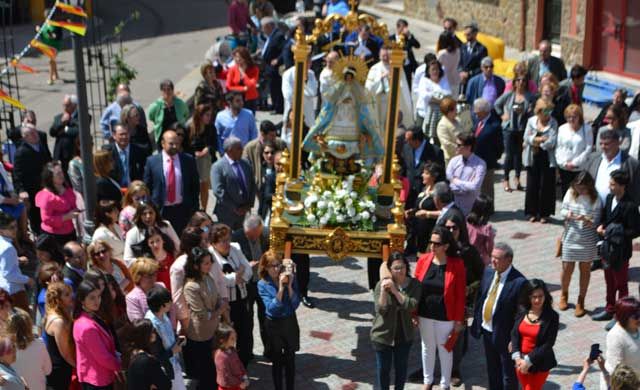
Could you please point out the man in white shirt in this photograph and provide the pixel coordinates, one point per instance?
(379, 85)
(494, 315)
(310, 88)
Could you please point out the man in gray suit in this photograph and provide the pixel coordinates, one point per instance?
(233, 185)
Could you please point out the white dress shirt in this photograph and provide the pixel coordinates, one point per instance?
(488, 326)
(604, 174)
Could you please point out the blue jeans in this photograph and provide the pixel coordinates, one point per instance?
(399, 354)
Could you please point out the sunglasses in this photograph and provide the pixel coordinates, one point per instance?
(100, 252)
(398, 269)
(435, 243)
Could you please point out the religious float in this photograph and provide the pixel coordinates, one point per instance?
(331, 208)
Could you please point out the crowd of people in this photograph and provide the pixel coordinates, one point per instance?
(162, 294)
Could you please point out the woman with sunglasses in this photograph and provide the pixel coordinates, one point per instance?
(474, 267)
(515, 107)
(442, 303)
(205, 308)
(100, 256)
(539, 158)
(278, 290)
(268, 180)
(146, 216)
(392, 332)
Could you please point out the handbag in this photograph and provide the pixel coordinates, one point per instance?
(559, 241)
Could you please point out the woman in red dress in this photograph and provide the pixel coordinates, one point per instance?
(533, 336)
(163, 252)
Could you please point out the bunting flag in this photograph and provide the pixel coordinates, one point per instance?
(74, 27)
(18, 65)
(70, 9)
(44, 49)
(6, 98)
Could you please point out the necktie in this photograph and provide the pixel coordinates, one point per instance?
(240, 177)
(125, 168)
(171, 182)
(491, 298)
(479, 128)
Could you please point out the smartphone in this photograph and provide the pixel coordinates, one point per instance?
(595, 352)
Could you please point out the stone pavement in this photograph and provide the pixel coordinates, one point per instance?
(335, 349)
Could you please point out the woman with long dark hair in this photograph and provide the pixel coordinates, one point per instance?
(108, 229)
(442, 303)
(57, 204)
(448, 55)
(533, 336)
(203, 144)
(145, 370)
(147, 215)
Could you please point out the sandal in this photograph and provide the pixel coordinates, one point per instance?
(543, 220)
(508, 189)
(532, 219)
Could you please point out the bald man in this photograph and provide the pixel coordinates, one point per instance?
(173, 180)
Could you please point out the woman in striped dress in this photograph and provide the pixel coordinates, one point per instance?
(581, 211)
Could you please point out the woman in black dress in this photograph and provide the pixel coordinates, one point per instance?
(268, 179)
(421, 217)
(203, 143)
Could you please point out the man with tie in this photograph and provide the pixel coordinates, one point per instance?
(494, 315)
(233, 185)
(129, 159)
(173, 180)
(466, 172)
(489, 144)
(471, 53)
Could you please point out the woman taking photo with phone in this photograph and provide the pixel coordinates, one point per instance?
(533, 336)
(392, 332)
(279, 292)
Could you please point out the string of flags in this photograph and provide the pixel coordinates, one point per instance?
(70, 18)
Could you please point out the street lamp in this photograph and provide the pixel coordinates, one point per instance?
(86, 145)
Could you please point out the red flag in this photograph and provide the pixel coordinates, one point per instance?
(70, 9)
(44, 48)
(17, 64)
(10, 100)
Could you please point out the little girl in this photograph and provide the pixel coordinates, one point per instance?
(481, 233)
(136, 193)
(230, 373)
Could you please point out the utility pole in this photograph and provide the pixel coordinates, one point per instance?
(86, 142)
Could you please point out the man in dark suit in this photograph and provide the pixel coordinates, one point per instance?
(172, 178)
(471, 53)
(75, 263)
(410, 42)
(489, 144)
(253, 242)
(65, 130)
(272, 57)
(364, 44)
(624, 214)
(416, 152)
(544, 63)
(485, 84)
(129, 159)
(494, 316)
(31, 158)
(233, 185)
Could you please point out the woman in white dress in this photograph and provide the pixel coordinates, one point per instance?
(449, 57)
(432, 89)
(581, 211)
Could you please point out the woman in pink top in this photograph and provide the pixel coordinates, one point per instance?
(57, 203)
(97, 360)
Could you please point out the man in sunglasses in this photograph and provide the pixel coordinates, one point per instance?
(485, 85)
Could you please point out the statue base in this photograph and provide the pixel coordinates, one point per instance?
(341, 167)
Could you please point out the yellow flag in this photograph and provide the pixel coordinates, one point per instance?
(10, 100)
(78, 28)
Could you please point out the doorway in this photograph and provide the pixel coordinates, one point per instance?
(619, 35)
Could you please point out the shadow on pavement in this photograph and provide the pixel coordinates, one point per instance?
(323, 285)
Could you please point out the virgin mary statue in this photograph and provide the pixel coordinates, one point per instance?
(345, 128)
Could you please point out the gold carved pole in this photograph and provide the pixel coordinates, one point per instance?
(301, 51)
(390, 186)
(278, 225)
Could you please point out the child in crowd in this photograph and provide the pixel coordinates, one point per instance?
(231, 374)
(481, 233)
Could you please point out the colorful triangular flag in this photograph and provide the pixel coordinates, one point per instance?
(74, 27)
(70, 9)
(44, 48)
(10, 100)
(17, 64)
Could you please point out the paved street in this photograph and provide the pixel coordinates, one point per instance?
(169, 42)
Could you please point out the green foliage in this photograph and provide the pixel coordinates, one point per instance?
(123, 74)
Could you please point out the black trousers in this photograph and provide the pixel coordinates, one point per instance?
(303, 274)
(88, 386)
(33, 214)
(254, 299)
(500, 367)
(275, 89)
(284, 339)
(566, 177)
(540, 196)
(373, 271)
(240, 318)
(199, 364)
(178, 215)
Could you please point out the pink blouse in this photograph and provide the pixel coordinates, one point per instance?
(53, 207)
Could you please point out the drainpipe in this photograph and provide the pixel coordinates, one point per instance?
(523, 24)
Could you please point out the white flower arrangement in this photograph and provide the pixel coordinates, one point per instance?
(341, 206)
